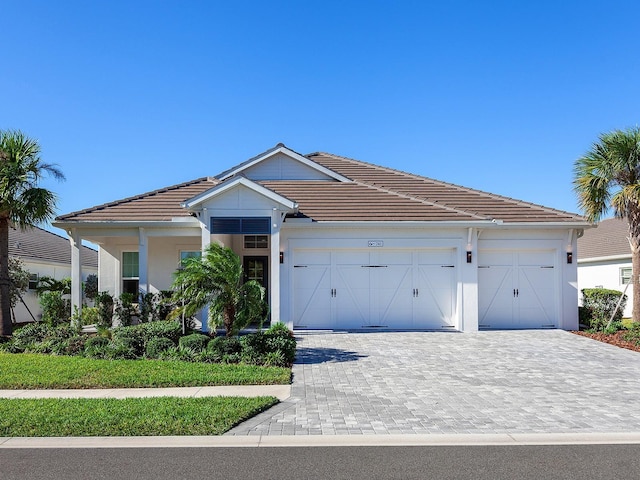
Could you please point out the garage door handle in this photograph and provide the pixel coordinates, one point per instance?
(516, 293)
(333, 292)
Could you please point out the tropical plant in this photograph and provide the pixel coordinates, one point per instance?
(19, 283)
(23, 203)
(216, 280)
(50, 284)
(608, 177)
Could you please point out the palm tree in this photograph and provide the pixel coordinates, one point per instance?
(22, 202)
(215, 279)
(608, 176)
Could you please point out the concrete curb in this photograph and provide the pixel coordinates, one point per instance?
(324, 440)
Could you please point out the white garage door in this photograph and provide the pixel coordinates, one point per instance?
(396, 289)
(517, 289)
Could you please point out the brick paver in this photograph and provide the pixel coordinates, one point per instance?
(536, 381)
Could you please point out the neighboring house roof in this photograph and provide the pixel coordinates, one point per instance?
(608, 240)
(374, 193)
(41, 245)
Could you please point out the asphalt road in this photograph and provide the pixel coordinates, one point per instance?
(581, 462)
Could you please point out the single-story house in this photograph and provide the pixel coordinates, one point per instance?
(604, 259)
(340, 243)
(44, 254)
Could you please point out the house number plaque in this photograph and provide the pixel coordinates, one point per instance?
(375, 243)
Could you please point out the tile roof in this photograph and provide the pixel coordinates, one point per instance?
(159, 205)
(44, 246)
(375, 194)
(609, 239)
(474, 202)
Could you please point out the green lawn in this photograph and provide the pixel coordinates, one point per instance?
(126, 417)
(129, 416)
(35, 371)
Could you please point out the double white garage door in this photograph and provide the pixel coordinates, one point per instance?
(401, 289)
(418, 289)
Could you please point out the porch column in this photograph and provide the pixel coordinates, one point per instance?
(274, 281)
(143, 262)
(205, 241)
(76, 271)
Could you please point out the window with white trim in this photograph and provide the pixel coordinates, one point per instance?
(130, 272)
(33, 281)
(625, 275)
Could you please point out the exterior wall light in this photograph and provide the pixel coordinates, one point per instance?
(281, 257)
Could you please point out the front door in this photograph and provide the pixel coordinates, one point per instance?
(255, 268)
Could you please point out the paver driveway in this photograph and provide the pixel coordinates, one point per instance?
(537, 381)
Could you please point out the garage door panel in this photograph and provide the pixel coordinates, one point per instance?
(536, 297)
(312, 290)
(435, 296)
(495, 302)
(393, 301)
(517, 289)
(352, 296)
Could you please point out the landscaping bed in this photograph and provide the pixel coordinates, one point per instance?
(619, 339)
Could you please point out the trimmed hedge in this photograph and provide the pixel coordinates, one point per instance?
(598, 306)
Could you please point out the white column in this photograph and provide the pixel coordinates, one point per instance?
(143, 262)
(76, 271)
(274, 281)
(206, 240)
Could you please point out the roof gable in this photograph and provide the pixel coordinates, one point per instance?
(239, 184)
(282, 163)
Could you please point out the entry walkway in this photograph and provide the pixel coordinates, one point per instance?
(279, 391)
(421, 383)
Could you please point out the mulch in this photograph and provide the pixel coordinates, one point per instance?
(613, 338)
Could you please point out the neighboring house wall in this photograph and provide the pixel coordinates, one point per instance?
(45, 254)
(606, 274)
(603, 254)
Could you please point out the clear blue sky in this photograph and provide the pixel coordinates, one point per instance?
(502, 96)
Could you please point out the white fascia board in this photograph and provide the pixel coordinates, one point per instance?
(174, 223)
(223, 187)
(288, 153)
(605, 259)
(408, 224)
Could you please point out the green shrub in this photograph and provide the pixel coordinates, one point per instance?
(600, 304)
(157, 346)
(633, 334)
(180, 353)
(96, 347)
(75, 345)
(224, 346)
(55, 308)
(140, 335)
(104, 304)
(90, 316)
(125, 309)
(253, 348)
(31, 332)
(195, 341)
(123, 349)
(279, 338)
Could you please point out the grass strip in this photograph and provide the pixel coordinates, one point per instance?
(34, 371)
(55, 417)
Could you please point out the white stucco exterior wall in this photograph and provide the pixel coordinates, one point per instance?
(606, 274)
